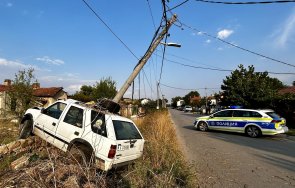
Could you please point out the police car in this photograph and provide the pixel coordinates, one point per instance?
(252, 122)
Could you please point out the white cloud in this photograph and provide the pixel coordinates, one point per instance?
(208, 41)
(47, 60)
(73, 88)
(225, 33)
(13, 64)
(219, 48)
(287, 31)
(9, 5)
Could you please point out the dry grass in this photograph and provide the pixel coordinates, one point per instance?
(8, 132)
(163, 163)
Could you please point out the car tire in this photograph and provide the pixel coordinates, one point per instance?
(79, 154)
(253, 131)
(202, 126)
(25, 129)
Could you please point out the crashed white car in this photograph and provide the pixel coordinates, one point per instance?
(73, 127)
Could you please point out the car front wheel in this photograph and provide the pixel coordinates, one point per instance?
(25, 129)
(253, 131)
(202, 126)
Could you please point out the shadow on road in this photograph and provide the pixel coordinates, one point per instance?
(273, 146)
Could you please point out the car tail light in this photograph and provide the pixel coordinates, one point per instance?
(276, 121)
(112, 151)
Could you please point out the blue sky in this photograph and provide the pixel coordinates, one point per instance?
(68, 46)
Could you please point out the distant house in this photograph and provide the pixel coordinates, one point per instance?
(3, 94)
(45, 96)
(287, 90)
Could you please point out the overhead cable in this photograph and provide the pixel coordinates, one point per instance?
(96, 14)
(194, 89)
(246, 3)
(178, 5)
(236, 46)
(221, 70)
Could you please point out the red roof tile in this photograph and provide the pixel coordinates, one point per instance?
(287, 90)
(3, 88)
(47, 92)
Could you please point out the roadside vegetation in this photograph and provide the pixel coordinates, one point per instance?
(162, 164)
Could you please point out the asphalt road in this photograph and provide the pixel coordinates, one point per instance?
(234, 160)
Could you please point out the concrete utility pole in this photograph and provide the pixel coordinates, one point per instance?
(143, 60)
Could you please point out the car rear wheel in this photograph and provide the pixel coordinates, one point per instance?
(79, 154)
(25, 129)
(253, 131)
(202, 126)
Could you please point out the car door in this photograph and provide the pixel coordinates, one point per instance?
(71, 125)
(129, 141)
(221, 119)
(46, 123)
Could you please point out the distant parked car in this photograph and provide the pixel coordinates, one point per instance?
(187, 108)
(251, 122)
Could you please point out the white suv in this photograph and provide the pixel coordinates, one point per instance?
(72, 126)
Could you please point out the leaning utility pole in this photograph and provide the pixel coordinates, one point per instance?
(143, 60)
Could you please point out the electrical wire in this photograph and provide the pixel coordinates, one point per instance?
(180, 4)
(236, 46)
(96, 14)
(221, 70)
(194, 89)
(246, 3)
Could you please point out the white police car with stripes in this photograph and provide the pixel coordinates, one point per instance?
(252, 122)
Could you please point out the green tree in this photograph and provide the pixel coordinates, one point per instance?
(174, 101)
(293, 83)
(21, 92)
(105, 88)
(249, 88)
(187, 97)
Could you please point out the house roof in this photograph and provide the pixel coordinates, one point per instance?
(3, 88)
(287, 90)
(47, 92)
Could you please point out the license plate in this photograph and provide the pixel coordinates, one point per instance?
(123, 147)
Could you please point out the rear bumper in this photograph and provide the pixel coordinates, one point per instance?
(280, 130)
(108, 165)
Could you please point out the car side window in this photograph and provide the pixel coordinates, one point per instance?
(98, 116)
(241, 113)
(55, 110)
(255, 114)
(74, 116)
(225, 113)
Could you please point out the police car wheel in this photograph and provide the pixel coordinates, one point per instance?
(253, 131)
(202, 126)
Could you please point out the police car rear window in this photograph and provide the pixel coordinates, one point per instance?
(273, 115)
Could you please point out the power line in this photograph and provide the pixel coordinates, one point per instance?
(185, 88)
(96, 14)
(192, 61)
(151, 13)
(178, 5)
(221, 70)
(234, 45)
(246, 3)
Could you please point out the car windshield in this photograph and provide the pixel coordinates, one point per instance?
(273, 115)
(125, 130)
